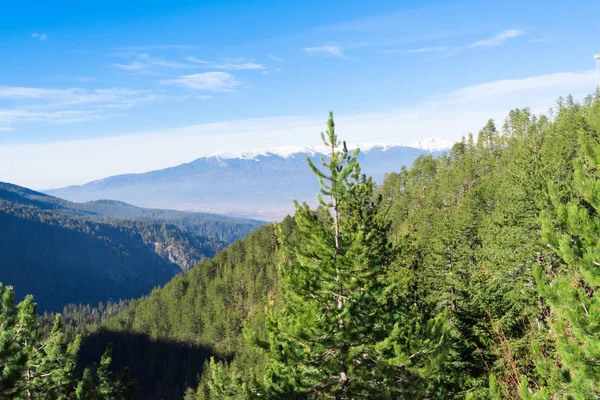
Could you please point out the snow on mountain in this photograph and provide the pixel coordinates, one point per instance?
(433, 144)
(283, 151)
(428, 144)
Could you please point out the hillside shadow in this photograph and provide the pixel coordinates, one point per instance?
(161, 369)
(63, 260)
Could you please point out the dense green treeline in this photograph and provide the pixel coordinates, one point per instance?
(38, 365)
(83, 319)
(209, 226)
(471, 275)
(202, 311)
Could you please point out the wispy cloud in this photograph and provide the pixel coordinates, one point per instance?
(51, 97)
(161, 62)
(493, 41)
(275, 58)
(146, 63)
(335, 51)
(207, 81)
(498, 38)
(427, 49)
(240, 65)
(5, 129)
(75, 78)
(8, 116)
(66, 105)
(158, 47)
(133, 66)
(542, 84)
(40, 36)
(417, 51)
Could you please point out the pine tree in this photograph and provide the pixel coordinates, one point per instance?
(572, 228)
(12, 355)
(342, 331)
(39, 366)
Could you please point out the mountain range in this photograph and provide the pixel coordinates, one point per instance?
(260, 184)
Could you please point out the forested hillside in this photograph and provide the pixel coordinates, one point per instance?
(64, 252)
(472, 275)
(191, 318)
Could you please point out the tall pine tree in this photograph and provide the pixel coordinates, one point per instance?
(342, 331)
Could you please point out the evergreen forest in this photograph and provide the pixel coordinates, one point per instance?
(473, 274)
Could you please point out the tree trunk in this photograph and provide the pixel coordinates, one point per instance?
(344, 384)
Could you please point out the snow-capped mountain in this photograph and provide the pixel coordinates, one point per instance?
(433, 144)
(429, 144)
(258, 184)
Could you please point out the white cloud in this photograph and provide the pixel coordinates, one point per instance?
(275, 58)
(543, 85)
(5, 129)
(75, 78)
(133, 66)
(54, 97)
(208, 81)
(498, 39)
(427, 49)
(196, 60)
(241, 65)
(8, 116)
(145, 62)
(66, 105)
(159, 47)
(335, 51)
(418, 50)
(493, 41)
(160, 62)
(451, 115)
(40, 36)
(248, 65)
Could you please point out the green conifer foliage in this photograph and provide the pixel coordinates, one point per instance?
(572, 228)
(39, 366)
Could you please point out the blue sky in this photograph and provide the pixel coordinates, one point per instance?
(90, 89)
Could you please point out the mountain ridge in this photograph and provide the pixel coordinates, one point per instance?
(260, 184)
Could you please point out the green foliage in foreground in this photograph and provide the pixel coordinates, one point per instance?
(37, 366)
(571, 226)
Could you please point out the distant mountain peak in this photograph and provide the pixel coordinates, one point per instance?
(282, 151)
(429, 144)
(262, 183)
(433, 144)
